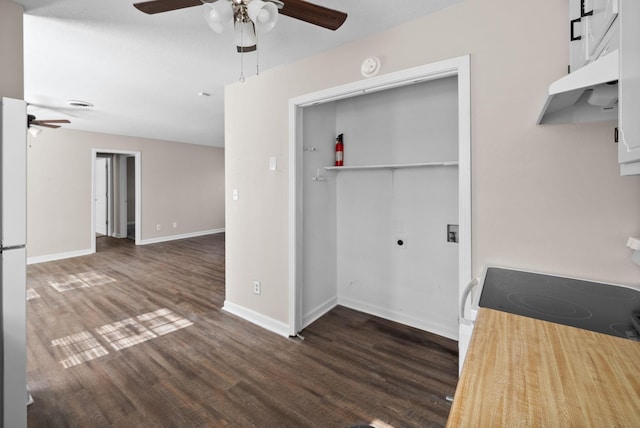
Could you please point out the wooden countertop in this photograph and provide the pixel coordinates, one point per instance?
(521, 372)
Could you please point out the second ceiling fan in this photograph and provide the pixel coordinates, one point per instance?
(251, 15)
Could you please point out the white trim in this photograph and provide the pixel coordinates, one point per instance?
(181, 236)
(423, 73)
(464, 174)
(71, 254)
(138, 201)
(58, 256)
(256, 318)
(459, 67)
(319, 311)
(399, 317)
(122, 193)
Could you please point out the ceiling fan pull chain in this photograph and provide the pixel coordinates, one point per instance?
(257, 55)
(242, 79)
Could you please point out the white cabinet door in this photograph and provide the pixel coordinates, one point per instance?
(577, 44)
(590, 21)
(600, 14)
(629, 87)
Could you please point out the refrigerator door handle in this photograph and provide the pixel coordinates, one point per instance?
(13, 247)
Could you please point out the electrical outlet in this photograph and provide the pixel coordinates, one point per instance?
(175, 225)
(158, 226)
(257, 288)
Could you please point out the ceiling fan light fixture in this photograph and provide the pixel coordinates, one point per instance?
(245, 34)
(219, 16)
(263, 14)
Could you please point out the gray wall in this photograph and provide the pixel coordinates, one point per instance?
(182, 183)
(11, 55)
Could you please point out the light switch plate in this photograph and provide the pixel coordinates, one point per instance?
(273, 163)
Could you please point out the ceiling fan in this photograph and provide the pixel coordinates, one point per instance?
(248, 16)
(298, 9)
(47, 123)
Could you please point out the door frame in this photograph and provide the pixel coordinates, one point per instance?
(459, 67)
(124, 196)
(138, 186)
(108, 184)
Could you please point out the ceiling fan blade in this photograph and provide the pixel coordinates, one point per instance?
(246, 48)
(46, 125)
(313, 14)
(158, 6)
(53, 121)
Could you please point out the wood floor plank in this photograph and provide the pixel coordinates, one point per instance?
(147, 345)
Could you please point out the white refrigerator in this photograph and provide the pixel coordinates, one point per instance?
(13, 231)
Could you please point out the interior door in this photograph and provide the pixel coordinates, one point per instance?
(101, 195)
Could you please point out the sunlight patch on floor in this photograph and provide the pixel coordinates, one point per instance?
(163, 321)
(80, 280)
(79, 348)
(377, 423)
(126, 333)
(32, 294)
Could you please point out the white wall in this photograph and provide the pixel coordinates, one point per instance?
(416, 283)
(319, 240)
(547, 198)
(182, 183)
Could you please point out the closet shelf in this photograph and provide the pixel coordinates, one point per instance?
(391, 166)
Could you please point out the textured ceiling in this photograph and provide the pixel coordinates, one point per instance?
(143, 72)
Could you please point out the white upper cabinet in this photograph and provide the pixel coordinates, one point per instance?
(590, 22)
(629, 88)
(600, 15)
(577, 49)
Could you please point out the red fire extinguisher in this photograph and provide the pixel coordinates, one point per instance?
(339, 151)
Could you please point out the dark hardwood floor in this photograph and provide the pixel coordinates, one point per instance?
(136, 337)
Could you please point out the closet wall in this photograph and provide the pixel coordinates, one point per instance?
(353, 219)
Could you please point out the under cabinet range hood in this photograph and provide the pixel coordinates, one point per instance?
(589, 94)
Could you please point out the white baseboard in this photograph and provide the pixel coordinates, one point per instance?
(254, 317)
(319, 311)
(58, 256)
(436, 328)
(181, 236)
(70, 254)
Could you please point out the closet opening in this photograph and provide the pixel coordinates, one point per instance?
(388, 232)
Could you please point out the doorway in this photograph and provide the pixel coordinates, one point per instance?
(459, 69)
(102, 195)
(117, 213)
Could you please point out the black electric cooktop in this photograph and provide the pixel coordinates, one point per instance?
(602, 308)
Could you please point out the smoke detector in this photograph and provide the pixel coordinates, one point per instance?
(370, 66)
